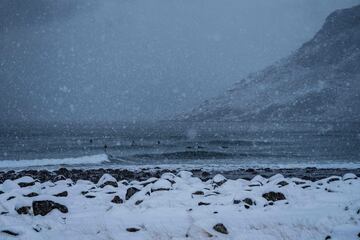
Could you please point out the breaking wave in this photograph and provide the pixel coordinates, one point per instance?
(94, 159)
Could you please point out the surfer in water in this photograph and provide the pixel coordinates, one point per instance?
(110, 157)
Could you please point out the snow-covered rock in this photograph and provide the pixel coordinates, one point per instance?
(25, 181)
(277, 177)
(219, 179)
(107, 179)
(185, 174)
(9, 185)
(258, 179)
(161, 185)
(169, 176)
(349, 176)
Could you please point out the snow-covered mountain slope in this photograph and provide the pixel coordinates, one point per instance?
(319, 82)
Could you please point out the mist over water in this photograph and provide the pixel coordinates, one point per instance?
(79, 61)
(192, 143)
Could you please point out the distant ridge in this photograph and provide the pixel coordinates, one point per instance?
(319, 82)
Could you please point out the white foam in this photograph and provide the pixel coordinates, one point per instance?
(94, 159)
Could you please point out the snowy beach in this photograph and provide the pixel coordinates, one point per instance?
(181, 206)
(176, 120)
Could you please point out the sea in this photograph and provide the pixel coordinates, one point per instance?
(173, 144)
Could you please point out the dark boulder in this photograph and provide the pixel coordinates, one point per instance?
(32, 194)
(130, 192)
(198, 193)
(26, 184)
(23, 210)
(205, 174)
(160, 189)
(282, 183)
(110, 192)
(90, 196)
(64, 172)
(117, 200)
(44, 207)
(248, 201)
(274, 196)
(9, 198)
(203, 204)
(133, 229)
(236, 201)
(220, 228)
(255, 185)
(62, 194)
(299, 182)
(59, 178)
(138, 202)
(110, 183)
(11, 233)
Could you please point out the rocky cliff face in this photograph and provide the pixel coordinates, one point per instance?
(319, 82)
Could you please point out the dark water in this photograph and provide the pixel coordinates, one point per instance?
(187, 143)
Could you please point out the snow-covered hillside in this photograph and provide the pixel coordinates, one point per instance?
(319, 82)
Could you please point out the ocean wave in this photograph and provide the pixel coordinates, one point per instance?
(226, 167)
(94, 159)
(183, 155)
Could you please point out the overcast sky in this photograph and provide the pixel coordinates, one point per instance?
(121, 60)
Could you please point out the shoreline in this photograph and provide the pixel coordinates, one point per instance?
(142, 174)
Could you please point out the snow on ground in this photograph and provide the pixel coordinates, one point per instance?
(182, 207)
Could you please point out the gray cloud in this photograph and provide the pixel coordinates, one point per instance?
(135, 60)
(25, 13)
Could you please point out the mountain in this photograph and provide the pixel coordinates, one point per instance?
(318, 82)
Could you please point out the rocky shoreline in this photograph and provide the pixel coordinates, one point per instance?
(93, 175)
